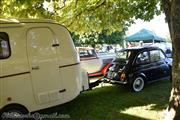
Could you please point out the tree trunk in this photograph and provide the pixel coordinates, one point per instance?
(172, 11)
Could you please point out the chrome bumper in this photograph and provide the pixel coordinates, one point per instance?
(114, 81)
(119, 82)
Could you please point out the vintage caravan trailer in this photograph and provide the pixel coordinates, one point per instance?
(39, 66)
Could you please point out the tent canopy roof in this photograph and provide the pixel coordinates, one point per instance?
(144, 35)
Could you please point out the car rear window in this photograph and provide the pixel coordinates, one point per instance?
(83, 53)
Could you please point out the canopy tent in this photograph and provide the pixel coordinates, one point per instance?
(145, 36)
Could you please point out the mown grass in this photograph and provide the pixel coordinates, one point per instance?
(117, 103)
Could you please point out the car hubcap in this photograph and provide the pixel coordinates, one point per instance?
(138, 84)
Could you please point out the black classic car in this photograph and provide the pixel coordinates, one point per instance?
(138, 66)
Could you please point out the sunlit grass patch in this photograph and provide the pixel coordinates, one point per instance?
(117, 103)
(144, 112)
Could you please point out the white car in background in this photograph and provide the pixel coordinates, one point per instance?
(91, 62)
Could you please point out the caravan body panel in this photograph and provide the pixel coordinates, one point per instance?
(43, 68)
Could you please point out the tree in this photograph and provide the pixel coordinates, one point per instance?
(106, 14)
(91, 38)
(23, 9)
(94, 38)
(115, 37)
(171, 9)
(84, 16)
(76, 39)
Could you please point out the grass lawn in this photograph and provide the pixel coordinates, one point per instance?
(117, 103)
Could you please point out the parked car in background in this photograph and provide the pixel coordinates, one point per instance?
(166, 47)
(94, 64)
(138, 66)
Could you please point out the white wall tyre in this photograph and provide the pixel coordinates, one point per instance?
(138, 84)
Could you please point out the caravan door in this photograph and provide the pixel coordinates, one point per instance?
(42, 55)
(0, 84)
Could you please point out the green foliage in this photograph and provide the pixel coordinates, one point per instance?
(96, 15)
(94, 38)
(113, 38)
(20, 8)
(83, 16)
(86, 39)
(91, 38)
(75, 38)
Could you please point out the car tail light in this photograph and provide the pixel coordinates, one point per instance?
(123, 76)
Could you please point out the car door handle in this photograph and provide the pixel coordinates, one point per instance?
(35, 68)
(63, 90)
(55, 45)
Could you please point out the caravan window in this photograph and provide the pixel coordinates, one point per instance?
(4, 45)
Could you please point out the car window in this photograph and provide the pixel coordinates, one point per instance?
(142, 58)
(87, 53)
(123, 55)
(156, 55)
(4, 46)
(162, 56)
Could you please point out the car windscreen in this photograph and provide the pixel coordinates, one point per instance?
(124, 55)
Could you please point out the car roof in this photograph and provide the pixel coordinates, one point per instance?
(84, 48)
(141, 48)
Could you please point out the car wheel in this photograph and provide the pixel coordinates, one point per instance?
(138, 84)
(13, 113)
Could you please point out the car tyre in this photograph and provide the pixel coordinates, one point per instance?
(138, 84)
(13, 111)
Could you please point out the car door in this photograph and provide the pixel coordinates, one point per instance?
(5, 53)
(164, 67)
(143, 65)
(44, 65)
(157, 59)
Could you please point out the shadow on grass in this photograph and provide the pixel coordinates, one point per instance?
(108, 102)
